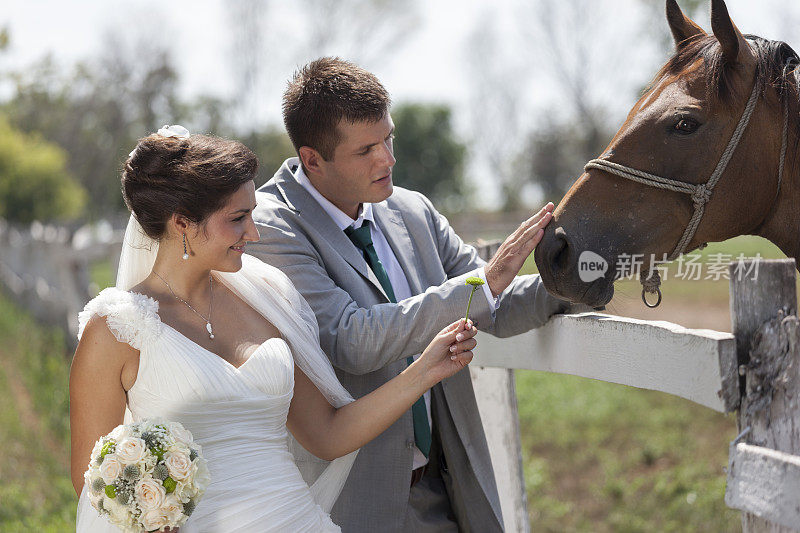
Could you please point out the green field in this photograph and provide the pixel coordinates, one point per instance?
(603, 457)
(598, 457)
(35, 490)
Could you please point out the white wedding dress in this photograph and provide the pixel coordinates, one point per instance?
(237, 415)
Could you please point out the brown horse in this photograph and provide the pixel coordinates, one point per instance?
(643, 194)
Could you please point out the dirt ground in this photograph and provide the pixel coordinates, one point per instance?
(710, 315)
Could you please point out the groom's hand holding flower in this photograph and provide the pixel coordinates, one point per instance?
(506, 263)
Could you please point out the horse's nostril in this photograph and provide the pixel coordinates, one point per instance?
(559, 252)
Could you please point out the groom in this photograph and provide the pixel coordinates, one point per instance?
(384, 272)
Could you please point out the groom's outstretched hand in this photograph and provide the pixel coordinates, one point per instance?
(507, 262)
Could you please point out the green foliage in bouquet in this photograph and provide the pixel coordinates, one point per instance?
(108, 447)
(169, 485)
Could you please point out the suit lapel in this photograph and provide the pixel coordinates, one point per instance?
(299, 200)
(391, 223)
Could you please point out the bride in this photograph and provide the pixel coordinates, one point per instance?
(198, 332)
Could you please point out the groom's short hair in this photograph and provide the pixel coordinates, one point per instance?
(324, 92)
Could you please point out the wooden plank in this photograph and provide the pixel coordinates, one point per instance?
(496, 394)
(652, 355)
(767, 330)
(765, 483)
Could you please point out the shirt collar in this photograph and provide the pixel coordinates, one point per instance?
(342, 219)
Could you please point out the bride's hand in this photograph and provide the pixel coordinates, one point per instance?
(449, 351)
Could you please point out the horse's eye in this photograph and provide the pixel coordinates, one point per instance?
(686, 126)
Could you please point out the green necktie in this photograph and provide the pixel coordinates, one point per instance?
(362, 238)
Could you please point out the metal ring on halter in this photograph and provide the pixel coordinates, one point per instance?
(658, 302)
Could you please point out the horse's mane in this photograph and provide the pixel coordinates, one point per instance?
(777, 66)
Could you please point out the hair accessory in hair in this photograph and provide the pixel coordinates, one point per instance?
(174, 131)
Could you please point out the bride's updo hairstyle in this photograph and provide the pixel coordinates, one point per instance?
(192, 176)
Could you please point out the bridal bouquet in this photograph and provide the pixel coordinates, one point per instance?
(146, 476)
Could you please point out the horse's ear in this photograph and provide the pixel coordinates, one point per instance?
(683, 28)
(726, 32)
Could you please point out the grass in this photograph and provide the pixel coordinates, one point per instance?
(602, 457)
(36, 493)
(102, 274)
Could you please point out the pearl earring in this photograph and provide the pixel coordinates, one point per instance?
(185, 253)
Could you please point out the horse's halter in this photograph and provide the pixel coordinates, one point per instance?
(700, 193)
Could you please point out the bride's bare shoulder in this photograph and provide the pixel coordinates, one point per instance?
(100, 355)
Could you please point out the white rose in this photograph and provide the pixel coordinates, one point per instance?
(179, 465)
(120, 433)
(95, 499)
(202, 477)
(173, 509)
(180, 433)
(96, 449)
(150, 494)
(131, 450)
(111, 468)
(154, 519)
(119, 513)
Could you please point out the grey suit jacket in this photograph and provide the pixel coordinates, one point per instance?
(367, 338)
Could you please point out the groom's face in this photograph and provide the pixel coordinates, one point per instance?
(361, 167)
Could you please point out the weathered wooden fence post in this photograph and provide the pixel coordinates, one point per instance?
(496, 394)
(764, 469)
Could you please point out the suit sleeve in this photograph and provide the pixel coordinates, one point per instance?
(523, 306)
(359, 339)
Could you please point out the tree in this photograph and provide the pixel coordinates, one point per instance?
(34, 182)
(264, 49)
(555, 153)
(429, 157)
(272, 147)
(496, 114)
(97, 110)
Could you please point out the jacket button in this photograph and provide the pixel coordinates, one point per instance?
(410, 443)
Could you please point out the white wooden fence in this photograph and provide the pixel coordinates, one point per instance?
(704, 366)
(45, 269)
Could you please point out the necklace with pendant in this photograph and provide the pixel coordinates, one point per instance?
(210, 303)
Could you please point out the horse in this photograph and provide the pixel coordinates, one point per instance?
(709, 152)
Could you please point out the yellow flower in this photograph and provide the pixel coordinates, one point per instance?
(475, 282)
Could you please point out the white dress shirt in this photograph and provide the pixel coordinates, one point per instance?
(389, 261)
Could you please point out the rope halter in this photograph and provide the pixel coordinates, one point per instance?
(700, 193)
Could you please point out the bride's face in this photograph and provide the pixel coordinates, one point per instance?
(222, 242)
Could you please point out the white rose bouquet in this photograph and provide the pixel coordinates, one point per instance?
(146, 476)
